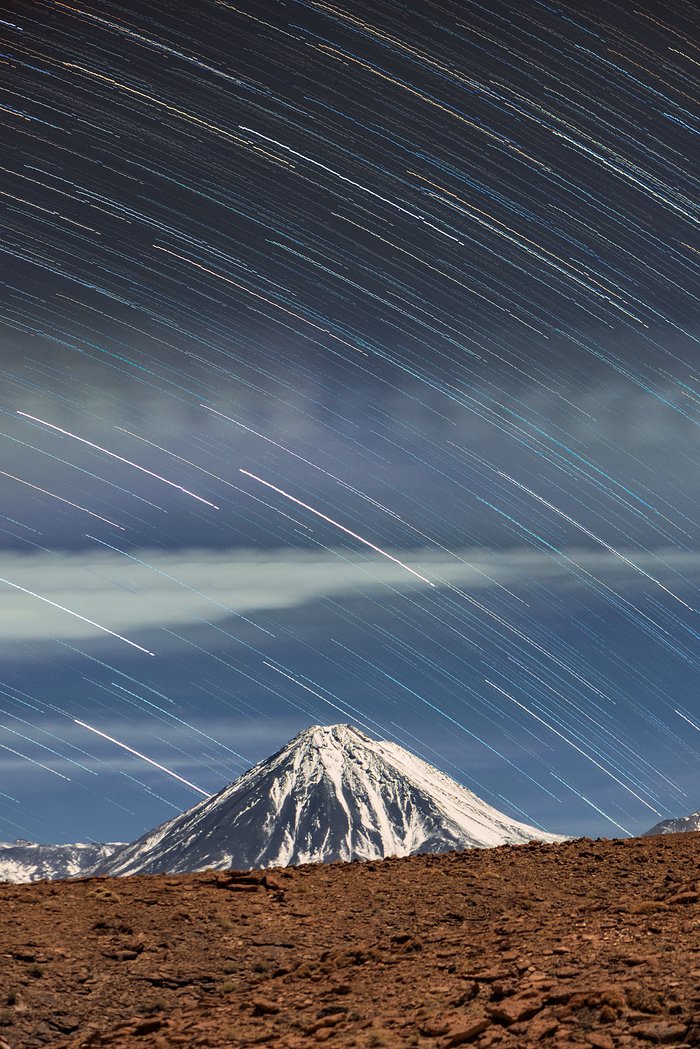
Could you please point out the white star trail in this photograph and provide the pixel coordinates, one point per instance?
(138, 754)
(396, 307)
(60, 498)
(336, 524)
(120, 458)
(77, 615)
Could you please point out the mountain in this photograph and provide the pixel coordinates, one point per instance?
(332, 793)
(25, 861)
(684, 823)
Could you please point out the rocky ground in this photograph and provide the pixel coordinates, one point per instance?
(589, 943)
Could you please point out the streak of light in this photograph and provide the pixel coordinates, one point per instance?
(113, 455)
(318, 695)
(468, 732)
(42, 746)
(257, 295)
(574, 745)
(592, 804)
(358, 185)
(77, 615)
(597, 538)
(216, 477)
(138, 754)
(336, 524)
(187, 724)
(65, 462)
(53, 495)
(349, 487)
(180, 582)
(685, 718)
(190, 117)
(46, 768)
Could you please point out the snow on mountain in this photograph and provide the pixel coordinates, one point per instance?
(685, 823)
(25, 861)
(332, 793)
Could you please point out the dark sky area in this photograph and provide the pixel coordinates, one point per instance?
(349, 371)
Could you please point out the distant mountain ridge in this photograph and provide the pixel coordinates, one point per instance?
(22, 861)
(332, 793)
(677, 826)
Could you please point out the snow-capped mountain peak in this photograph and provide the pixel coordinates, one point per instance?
(22, 860)
(332, 793)
(678, 826)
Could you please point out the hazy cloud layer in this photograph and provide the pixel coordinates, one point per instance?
(608, 448)
(174, 589)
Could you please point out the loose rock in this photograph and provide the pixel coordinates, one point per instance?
(508, 948)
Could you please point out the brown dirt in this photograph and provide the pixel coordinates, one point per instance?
(589, 944)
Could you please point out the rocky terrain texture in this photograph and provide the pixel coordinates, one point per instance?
(578, 944)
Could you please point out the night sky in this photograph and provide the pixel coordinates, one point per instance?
(349, 372)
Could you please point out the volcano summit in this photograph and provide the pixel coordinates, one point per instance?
(332, 793)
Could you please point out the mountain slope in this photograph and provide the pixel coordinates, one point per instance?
(684, 823)
(22, 861)
(331, 793)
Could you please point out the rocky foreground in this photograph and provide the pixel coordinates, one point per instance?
(577, 944)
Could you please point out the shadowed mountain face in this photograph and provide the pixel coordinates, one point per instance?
(684, 823)
(332, 793)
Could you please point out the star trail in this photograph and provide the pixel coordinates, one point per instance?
(349, 371)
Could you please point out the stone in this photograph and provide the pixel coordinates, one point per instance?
(644, 999)
(663, 1032)
(466, 994)
(154, 1023)
(600, 1041)
(263, 1007)
(433, 1027)
(512, 1010)
(325, 1023)
(467, 1033)
(684, 898)
(541, 1027)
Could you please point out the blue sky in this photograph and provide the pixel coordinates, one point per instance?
(348, 373)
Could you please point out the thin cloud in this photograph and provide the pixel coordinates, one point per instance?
(172, 590)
